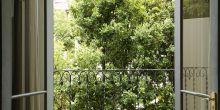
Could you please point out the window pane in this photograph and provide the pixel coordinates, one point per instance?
(29, 52)
(196, 52)
(195, 8)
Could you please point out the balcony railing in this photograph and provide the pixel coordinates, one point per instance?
(118, 89)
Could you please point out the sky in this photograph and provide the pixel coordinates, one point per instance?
(61, 4)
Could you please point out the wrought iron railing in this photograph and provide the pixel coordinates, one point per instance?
(117, 89)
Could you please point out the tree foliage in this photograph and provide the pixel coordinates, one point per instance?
(135, 32)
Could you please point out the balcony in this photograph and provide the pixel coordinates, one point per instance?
(116, 89)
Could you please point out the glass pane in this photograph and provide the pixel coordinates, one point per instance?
(195, 8)
(28, 75)
(196, 52)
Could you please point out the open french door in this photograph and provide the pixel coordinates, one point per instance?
(26, 55)
(197, 60)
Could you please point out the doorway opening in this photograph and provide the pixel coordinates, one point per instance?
(111, 54)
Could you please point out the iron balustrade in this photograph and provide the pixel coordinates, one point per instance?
(114, 89)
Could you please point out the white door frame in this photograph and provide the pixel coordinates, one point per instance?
(7, 9)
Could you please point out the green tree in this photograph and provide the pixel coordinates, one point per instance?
(136, 32)
(69, 53)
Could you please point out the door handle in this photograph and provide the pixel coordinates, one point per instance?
(213, 100)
